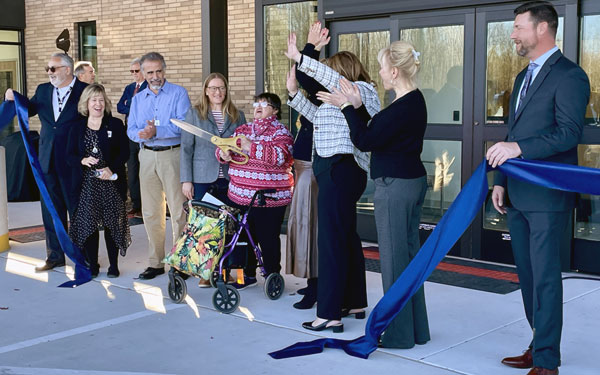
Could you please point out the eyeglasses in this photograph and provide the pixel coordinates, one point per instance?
(134, 71)
(262, 104)
(215, 88)
(53, 68)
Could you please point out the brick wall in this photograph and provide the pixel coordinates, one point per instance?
(128, 28)
(241, 30)
(125, 29)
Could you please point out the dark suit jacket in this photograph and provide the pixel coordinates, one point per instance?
(112, 141)
(124, 103)
(53, 136)
(547, 126)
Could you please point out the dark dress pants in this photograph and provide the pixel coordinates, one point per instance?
(536, 239)
(133, 175)
(90, 249)
(342, 282)
(217, 188)
(265, 228)
(65, 201)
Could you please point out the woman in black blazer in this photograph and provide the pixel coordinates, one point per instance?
(395, 138)
(97, 150)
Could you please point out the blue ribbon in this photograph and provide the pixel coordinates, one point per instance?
(19, 107)
(450, 228)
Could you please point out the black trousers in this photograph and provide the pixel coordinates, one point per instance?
(342, 282)
(90, 250)
(537, 239)
(265, 227)
(65, 201)
(133, 175)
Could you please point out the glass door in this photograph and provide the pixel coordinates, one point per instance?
(497, 65)
(364, 38)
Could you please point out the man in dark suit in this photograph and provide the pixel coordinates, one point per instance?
(545, 122)
(55, 103)
(133, 163)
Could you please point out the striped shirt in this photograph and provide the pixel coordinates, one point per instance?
(331, 133)
(220, 120)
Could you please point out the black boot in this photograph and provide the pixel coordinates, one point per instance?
(310, 295)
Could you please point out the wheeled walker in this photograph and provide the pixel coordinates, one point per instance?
(201, 252)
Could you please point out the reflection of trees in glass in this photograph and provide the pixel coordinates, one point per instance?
(279, 21)
(503, 65)
(366, 46)
(590, 56)
(440, 76)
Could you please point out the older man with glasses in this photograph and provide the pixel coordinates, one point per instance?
(133, 163)
(150, 124)
(55, 103)
(85, 72)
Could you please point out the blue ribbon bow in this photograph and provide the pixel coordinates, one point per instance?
(19, 107)
(450, 228)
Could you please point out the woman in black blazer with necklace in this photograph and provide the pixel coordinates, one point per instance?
(97, 150)
(395, 138)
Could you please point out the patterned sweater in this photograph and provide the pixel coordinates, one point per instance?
(269, 165)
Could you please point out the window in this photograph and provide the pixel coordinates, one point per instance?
(279, 21)
(11, 67)
(87, 42)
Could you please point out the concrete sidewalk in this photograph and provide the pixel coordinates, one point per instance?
(127, 326)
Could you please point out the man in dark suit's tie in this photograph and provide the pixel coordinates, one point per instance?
(55, 103)
(545, 122)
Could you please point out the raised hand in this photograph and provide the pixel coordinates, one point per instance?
(351, 92)
(291, 83)
(292, 51)
(314, 33)
(324, 39)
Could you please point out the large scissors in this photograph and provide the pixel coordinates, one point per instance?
(225, 144)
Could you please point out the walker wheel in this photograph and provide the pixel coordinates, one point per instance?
(177, 289)
(214, 277)
(228, 303)
(274, 286)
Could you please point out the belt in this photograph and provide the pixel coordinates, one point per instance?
(160, 148)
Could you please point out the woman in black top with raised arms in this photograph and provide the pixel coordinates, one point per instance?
(395, 138)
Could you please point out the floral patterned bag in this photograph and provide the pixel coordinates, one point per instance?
(200, 246)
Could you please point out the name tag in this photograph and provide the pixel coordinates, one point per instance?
(157, 122)
(109, 132)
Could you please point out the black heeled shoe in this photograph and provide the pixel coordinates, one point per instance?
(337, 328)
(357, 315)
(307, 302)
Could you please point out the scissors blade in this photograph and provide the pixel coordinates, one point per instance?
(193, 129)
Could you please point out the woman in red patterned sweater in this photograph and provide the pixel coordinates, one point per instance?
(268, 144)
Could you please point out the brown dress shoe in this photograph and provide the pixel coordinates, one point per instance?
(524, 360)
(542, 371)
(49, 265)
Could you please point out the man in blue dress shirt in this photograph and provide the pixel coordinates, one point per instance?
(133, 163)
(149, 124)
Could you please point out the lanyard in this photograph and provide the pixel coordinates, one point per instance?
(61, 101)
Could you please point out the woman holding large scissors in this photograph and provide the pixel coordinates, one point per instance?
(214, 112)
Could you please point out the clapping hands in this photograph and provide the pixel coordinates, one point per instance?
(317, 36)
(348, 92)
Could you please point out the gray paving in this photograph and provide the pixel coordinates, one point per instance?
(124, 326)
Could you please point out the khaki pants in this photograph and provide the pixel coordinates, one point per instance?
(159, 178)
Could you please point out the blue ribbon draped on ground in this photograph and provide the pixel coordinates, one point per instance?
(19, 107)
(450, 228)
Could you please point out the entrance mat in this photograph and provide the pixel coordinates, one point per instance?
(462, 273)
(37, 233)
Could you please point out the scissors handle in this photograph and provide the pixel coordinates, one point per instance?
(230, 144)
